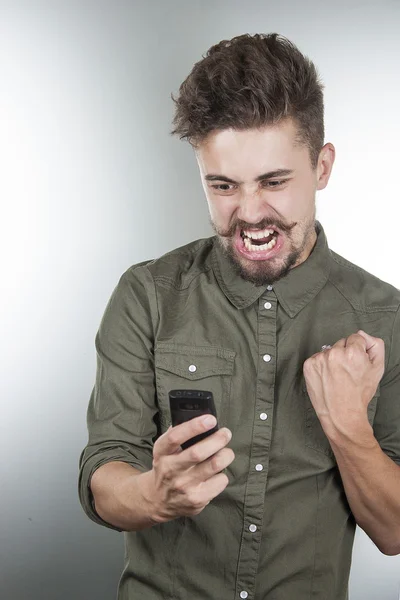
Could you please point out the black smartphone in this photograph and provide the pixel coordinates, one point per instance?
(188, 404)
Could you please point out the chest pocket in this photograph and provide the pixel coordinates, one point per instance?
(207, 368)
(315, 437)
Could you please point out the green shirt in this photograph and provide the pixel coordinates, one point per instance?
(282, 529)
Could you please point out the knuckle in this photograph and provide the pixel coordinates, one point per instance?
(355, 354)
(224, 481)
(318, 360)
(173, 437)
(231, 456)
(333, 354)
(157, 449)
(158, 462)
(196, 454)
(164, 467)
(222, 459)
(225, 435)
(179, 486)
(194, 500)
(168, 473)
(217, 462)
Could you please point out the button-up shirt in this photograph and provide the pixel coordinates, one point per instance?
(282, 528)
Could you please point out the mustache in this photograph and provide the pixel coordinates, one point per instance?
(261, 225)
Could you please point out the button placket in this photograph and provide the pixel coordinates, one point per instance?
(261, 440)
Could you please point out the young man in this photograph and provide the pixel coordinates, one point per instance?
(300, 348)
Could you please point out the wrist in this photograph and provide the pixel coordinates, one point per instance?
(148, 498)
(358, 433)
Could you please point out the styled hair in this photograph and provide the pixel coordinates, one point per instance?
(248, 82)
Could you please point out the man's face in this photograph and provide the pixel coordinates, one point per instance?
(260, 189)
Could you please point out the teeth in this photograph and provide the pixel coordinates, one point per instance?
(253, 248)
(248, 244)
(254, 235)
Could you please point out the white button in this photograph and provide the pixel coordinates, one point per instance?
(269, 287)
(243, 594)
(263, 416)
(192, 368)
(268, 305)
(253, 528)
(266, 357)
(259, 467)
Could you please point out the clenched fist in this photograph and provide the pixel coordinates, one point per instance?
(342, 380)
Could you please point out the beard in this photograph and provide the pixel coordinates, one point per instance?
(264, 272)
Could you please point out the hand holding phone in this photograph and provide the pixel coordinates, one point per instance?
(187, 475)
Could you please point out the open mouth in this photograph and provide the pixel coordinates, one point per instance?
(256, 241)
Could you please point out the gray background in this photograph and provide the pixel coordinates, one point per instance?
(91, 182)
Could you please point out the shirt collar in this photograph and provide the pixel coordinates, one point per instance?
(293, 291)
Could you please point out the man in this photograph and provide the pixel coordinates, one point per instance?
(299, 347)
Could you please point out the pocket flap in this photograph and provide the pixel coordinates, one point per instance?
(194, 362)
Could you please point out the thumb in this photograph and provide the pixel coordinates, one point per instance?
(375, 348)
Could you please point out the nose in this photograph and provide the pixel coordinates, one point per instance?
(251, 208)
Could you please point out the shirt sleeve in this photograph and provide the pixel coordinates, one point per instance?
(121, 417)
(387, 418)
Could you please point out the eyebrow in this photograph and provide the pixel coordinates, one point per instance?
(269, 175)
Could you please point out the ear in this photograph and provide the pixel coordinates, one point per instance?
(325, 163)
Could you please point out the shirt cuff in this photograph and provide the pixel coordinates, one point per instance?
(85, 476)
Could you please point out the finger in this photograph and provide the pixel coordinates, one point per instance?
(375, 347)
(170, 442)
(357, 341)
(202, 450)
(213, 465)
(340, 343)
(200, 473)
(211, 488)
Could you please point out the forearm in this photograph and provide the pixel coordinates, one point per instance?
(372, 484)
(118, 496)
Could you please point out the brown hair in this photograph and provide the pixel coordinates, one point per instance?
(248, 82)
